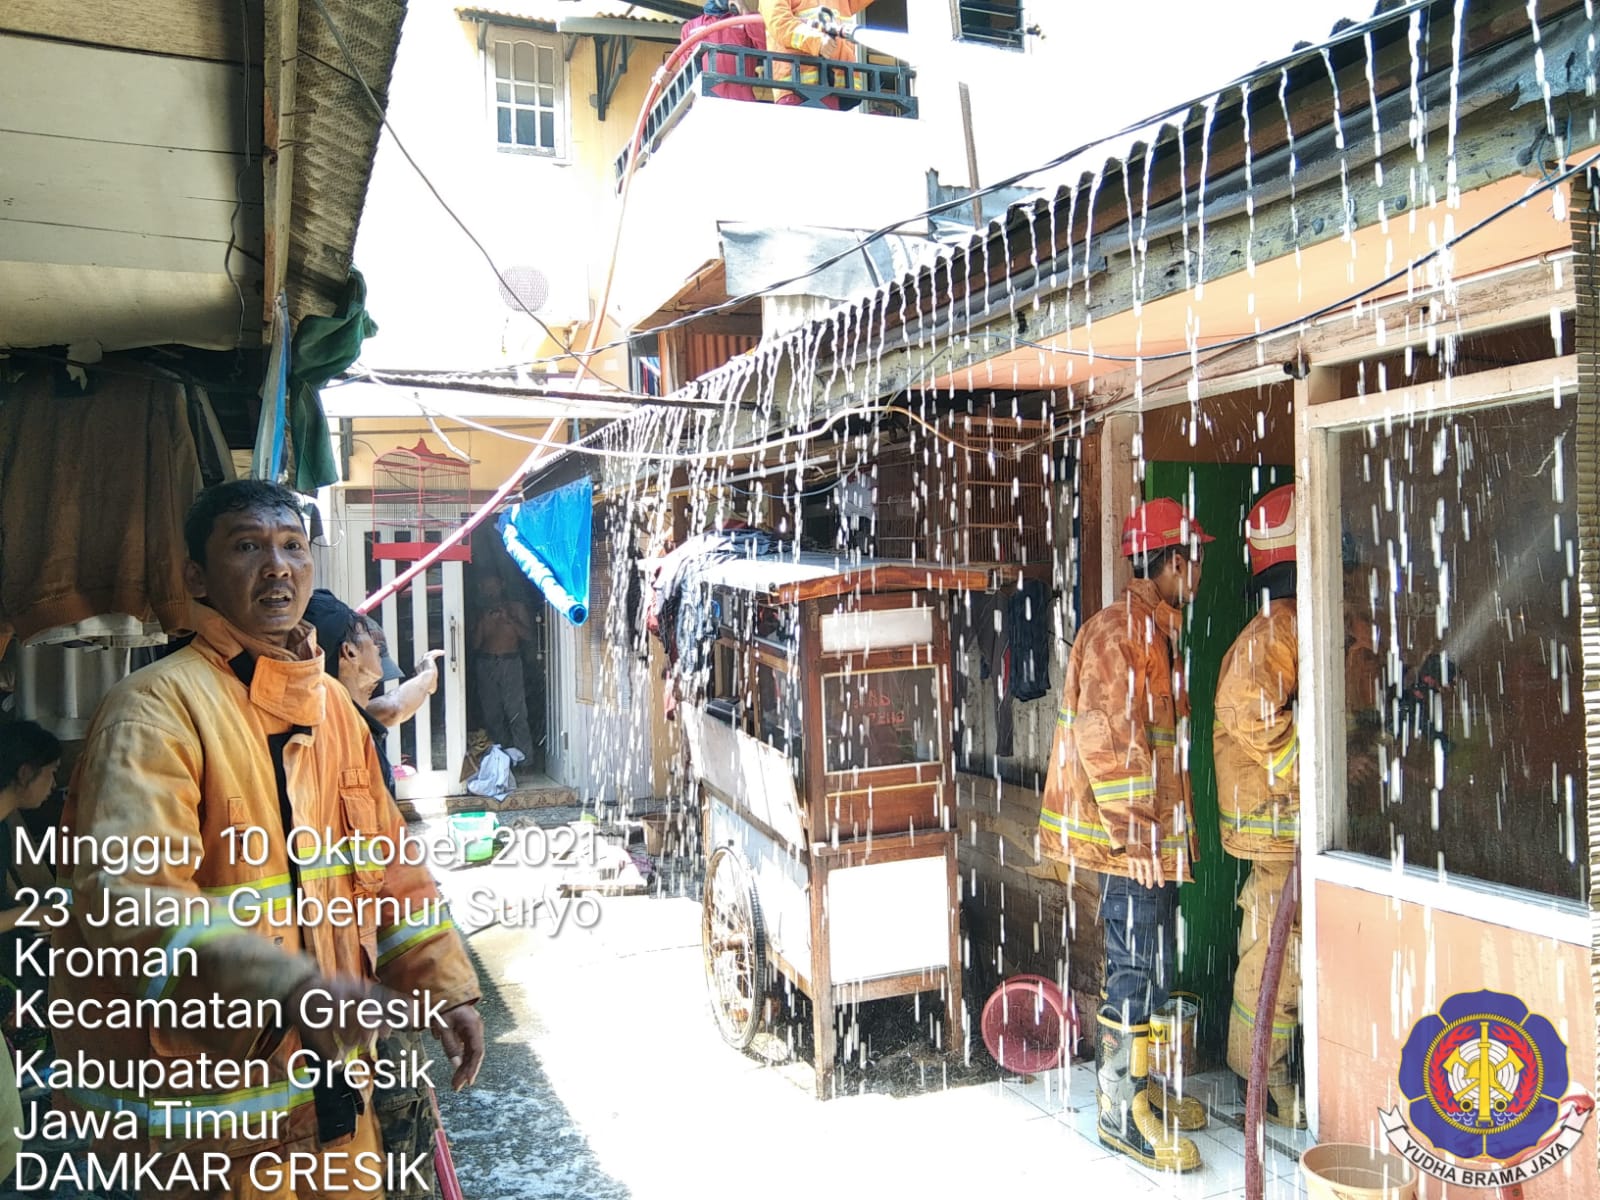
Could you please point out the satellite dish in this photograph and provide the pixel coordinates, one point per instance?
(524, 289)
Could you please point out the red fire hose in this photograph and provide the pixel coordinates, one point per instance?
(444, 1165)
(1255, 1103)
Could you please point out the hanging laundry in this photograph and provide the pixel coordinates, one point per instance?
(1011, 629)
(688, 630)
(94, 483)
(323, 346)
(1028, 640)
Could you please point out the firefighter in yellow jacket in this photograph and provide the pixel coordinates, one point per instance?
(1258, 790)
(259, 956)
(1116, 800)
(793, 27)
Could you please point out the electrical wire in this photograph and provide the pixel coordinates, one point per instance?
(582, 445)
(1214, 351)
(238, 178)
(383, 117)
(1333, 306)
(1211, 353)
(1349, 33)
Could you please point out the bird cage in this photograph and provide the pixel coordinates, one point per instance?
(418, 495)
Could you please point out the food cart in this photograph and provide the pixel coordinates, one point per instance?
(819, 734)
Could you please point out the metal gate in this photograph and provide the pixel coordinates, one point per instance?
(425, 615)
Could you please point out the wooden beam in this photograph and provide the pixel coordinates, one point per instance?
(1480, 387)
(280, 73)
(206, 29)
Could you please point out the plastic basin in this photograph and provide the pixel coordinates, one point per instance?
(1349, 1171)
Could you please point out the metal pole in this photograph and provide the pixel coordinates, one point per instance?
(972, 156)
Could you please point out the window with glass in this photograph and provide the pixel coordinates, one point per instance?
(993, 22)
(887, 718)
(527, 94)
(1464, 733)
(778, 708)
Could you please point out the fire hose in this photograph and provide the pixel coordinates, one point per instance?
(1255, 1104)
(545, 445)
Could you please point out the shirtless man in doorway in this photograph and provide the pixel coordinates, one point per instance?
(503, 628)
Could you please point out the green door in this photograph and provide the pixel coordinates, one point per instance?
(1222, 495)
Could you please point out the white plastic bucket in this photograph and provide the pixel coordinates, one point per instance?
(1345, 1171)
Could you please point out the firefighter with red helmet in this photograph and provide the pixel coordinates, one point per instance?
(1116, 801)
(1257, 753)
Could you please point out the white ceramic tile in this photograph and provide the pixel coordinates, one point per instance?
(1221, 1173)
(1219, 1090)
(1050, 1092)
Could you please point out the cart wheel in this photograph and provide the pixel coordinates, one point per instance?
(735, 947)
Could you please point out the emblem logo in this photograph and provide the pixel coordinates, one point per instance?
(1485, 1083)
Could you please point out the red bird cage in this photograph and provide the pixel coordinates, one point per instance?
(418, 495)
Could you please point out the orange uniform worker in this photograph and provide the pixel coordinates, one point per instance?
(792, 28)
(1116, 800)
(1257, 753)
(248, 954)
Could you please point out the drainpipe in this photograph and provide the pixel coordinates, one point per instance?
(1255, 1104)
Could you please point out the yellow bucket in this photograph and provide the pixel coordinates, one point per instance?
(1346, 1171)
(1172, 1036)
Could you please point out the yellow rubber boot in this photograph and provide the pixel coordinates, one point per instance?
(1183, 1112)
(1128, 1124)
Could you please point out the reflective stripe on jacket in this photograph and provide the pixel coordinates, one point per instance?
(1119, 766)
(1256, 746)
(791, 29)
(180, 752)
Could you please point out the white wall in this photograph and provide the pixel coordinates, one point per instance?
(1095, 69)
(436, 301)
(778, 166)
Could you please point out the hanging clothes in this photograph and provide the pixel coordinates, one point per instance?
(323, 346)
(688, 630)
(94, 484)
(1011, 630)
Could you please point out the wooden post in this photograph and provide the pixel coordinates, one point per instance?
(823, 1039)
(954, 1027)
(1120, 494)
(280, 77)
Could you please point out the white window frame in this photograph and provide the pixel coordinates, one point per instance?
(497, 35)
(1319, 414)
(1322, 699)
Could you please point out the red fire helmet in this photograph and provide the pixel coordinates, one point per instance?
(1157, 524)
(1269, 529)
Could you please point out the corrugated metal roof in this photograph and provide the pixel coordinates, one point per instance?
(337, 134)
(1078, 177)
(554, 10)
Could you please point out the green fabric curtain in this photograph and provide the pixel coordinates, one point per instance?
(323, 347)
(1222, 494)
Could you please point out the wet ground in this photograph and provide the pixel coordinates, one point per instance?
(607, 1078)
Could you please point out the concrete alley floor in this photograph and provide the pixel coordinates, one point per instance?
(606, 1078)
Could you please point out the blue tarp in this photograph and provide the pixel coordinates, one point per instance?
(548, 538)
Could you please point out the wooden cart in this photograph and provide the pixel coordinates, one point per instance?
(820, 738)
